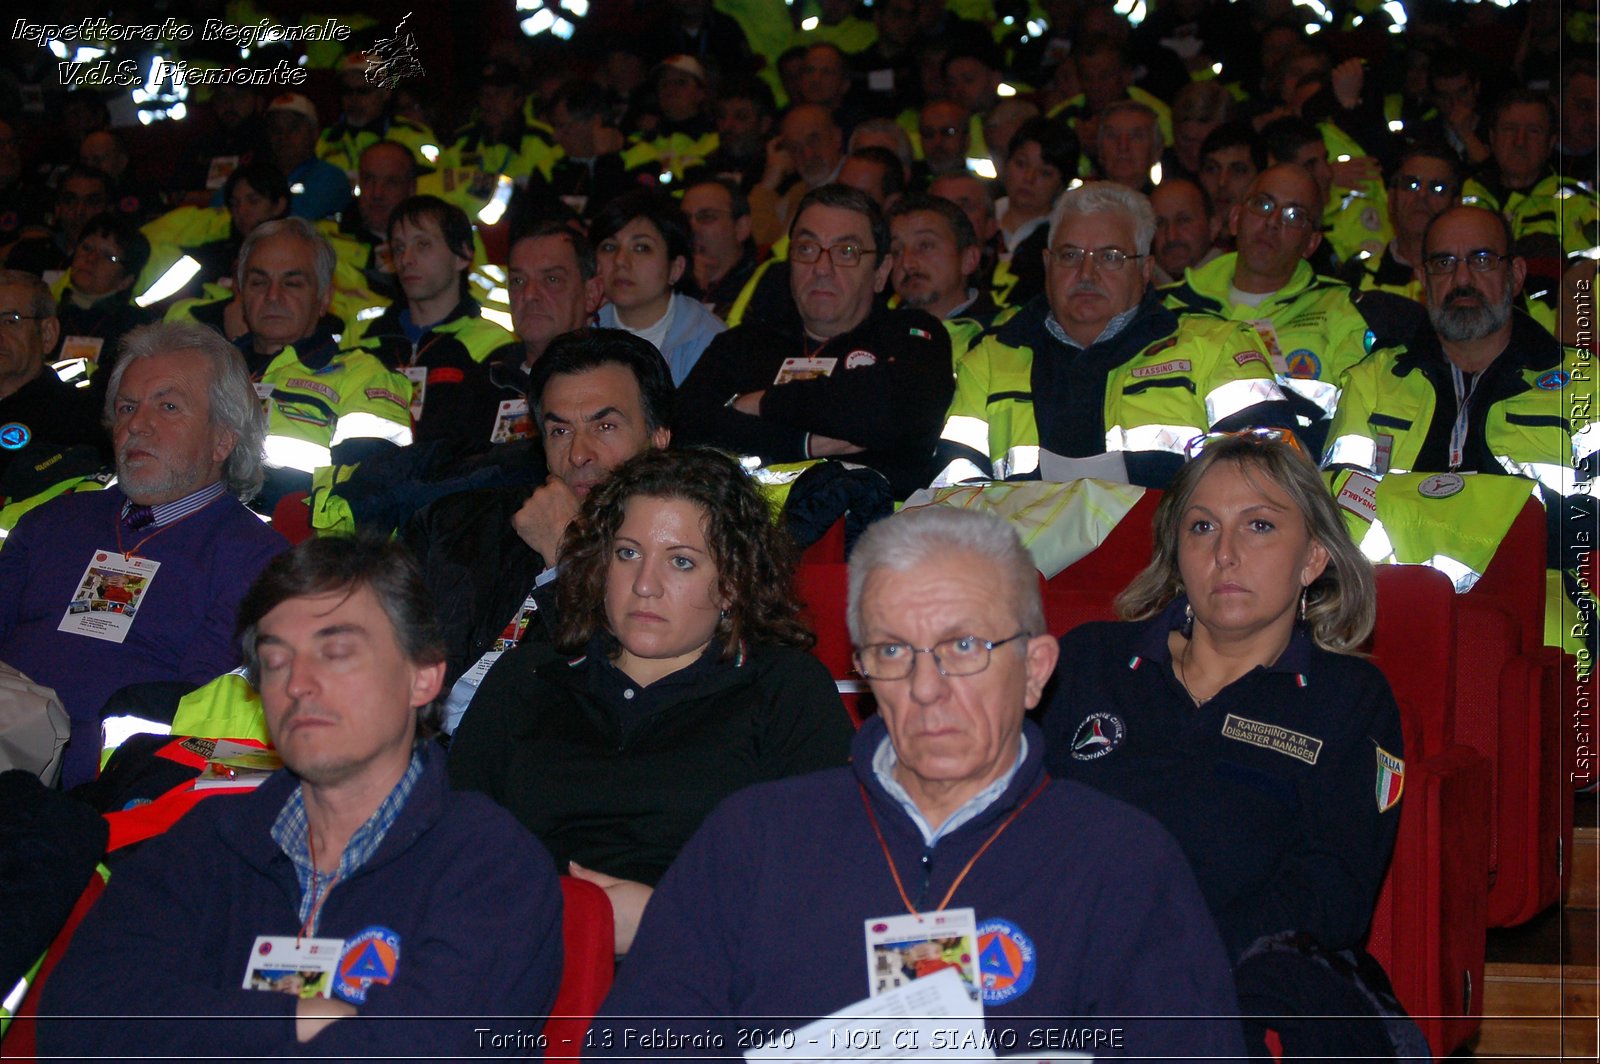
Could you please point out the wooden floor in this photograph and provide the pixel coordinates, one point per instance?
(1542, 980)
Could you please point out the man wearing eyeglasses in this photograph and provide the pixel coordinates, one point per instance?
(96, 306)
(1425, 184)
(1482, 389)
(1313, 327)
(855, 379)
(944, 853)
(1096, 366)
(724, 250)
(39, 413)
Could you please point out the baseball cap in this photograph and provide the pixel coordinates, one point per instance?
(293, 101)
(688, 64)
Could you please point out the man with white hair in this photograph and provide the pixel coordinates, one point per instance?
(944, 846)
(140, 582)
(325, 406)
(1095, 364)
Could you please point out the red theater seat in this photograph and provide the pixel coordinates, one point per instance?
(588, 937)
(1428, 927)
(1508, 707)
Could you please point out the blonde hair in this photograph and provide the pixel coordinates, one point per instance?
(1341, 604)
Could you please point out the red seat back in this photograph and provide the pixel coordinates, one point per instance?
(21, 1041)
(1107, 569)
(823, 589)
(588, 937)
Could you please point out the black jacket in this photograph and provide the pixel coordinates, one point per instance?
(622, 792)
(888, 392)
(479, 571)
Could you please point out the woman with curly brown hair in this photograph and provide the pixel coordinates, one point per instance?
(693, 679)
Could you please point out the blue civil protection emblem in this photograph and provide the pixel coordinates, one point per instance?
(14, 435)
(1303, 364)
(1556, 378)
(1007, 961)
(373, 956)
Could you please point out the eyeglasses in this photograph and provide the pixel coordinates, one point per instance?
(1293, 217)
(838, 254)
(11, 318)
(1262, 436)
(941, 131)
(965, 655)
(1481, 261)
(1106, 258)
(708, 216)
(1413, 183)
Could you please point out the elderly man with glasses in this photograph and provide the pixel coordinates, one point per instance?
(1096, 365)
(855, 379)
(1054, 916)
(1314, 328)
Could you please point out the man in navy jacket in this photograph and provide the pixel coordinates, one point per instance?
(1081, 913)
(353, 905)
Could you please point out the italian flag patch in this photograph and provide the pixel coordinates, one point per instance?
(1391, 780)
(922, 334)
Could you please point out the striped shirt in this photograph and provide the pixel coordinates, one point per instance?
(170, 512)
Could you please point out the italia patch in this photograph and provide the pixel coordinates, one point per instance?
(921, 334)
(1007, 961)
(1293, 744)
(1555, 379)
(860, 359)
(14, 435)
(1303, 364)
(372, 956)
(1244, 358)
(1391, 779)
(1176, 365)
(1097, 736)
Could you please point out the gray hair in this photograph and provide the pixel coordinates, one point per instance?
(913, 536)
(324, 259)
(41, 303)
(1128, 107)
(232, 398)
(1107, 197)
(891, 129)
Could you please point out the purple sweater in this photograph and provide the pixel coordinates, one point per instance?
(183, 629)
(761, 918)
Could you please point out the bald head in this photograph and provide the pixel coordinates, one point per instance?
(814, 141)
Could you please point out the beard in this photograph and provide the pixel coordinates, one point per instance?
(1467, 322)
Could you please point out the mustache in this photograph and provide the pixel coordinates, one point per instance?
(1087, 287)
(1463, 290)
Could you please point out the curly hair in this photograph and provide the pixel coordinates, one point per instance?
(754, 557)
(1341, 603)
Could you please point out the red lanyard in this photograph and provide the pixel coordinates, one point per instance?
(129, 553)
(310, 925)
(895, 872)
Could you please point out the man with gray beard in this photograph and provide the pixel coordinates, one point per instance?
(1485, 389)
(1469, 390)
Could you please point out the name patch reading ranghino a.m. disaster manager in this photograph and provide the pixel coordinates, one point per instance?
(1272, 737)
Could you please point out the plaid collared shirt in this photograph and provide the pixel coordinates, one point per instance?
(291, 831)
